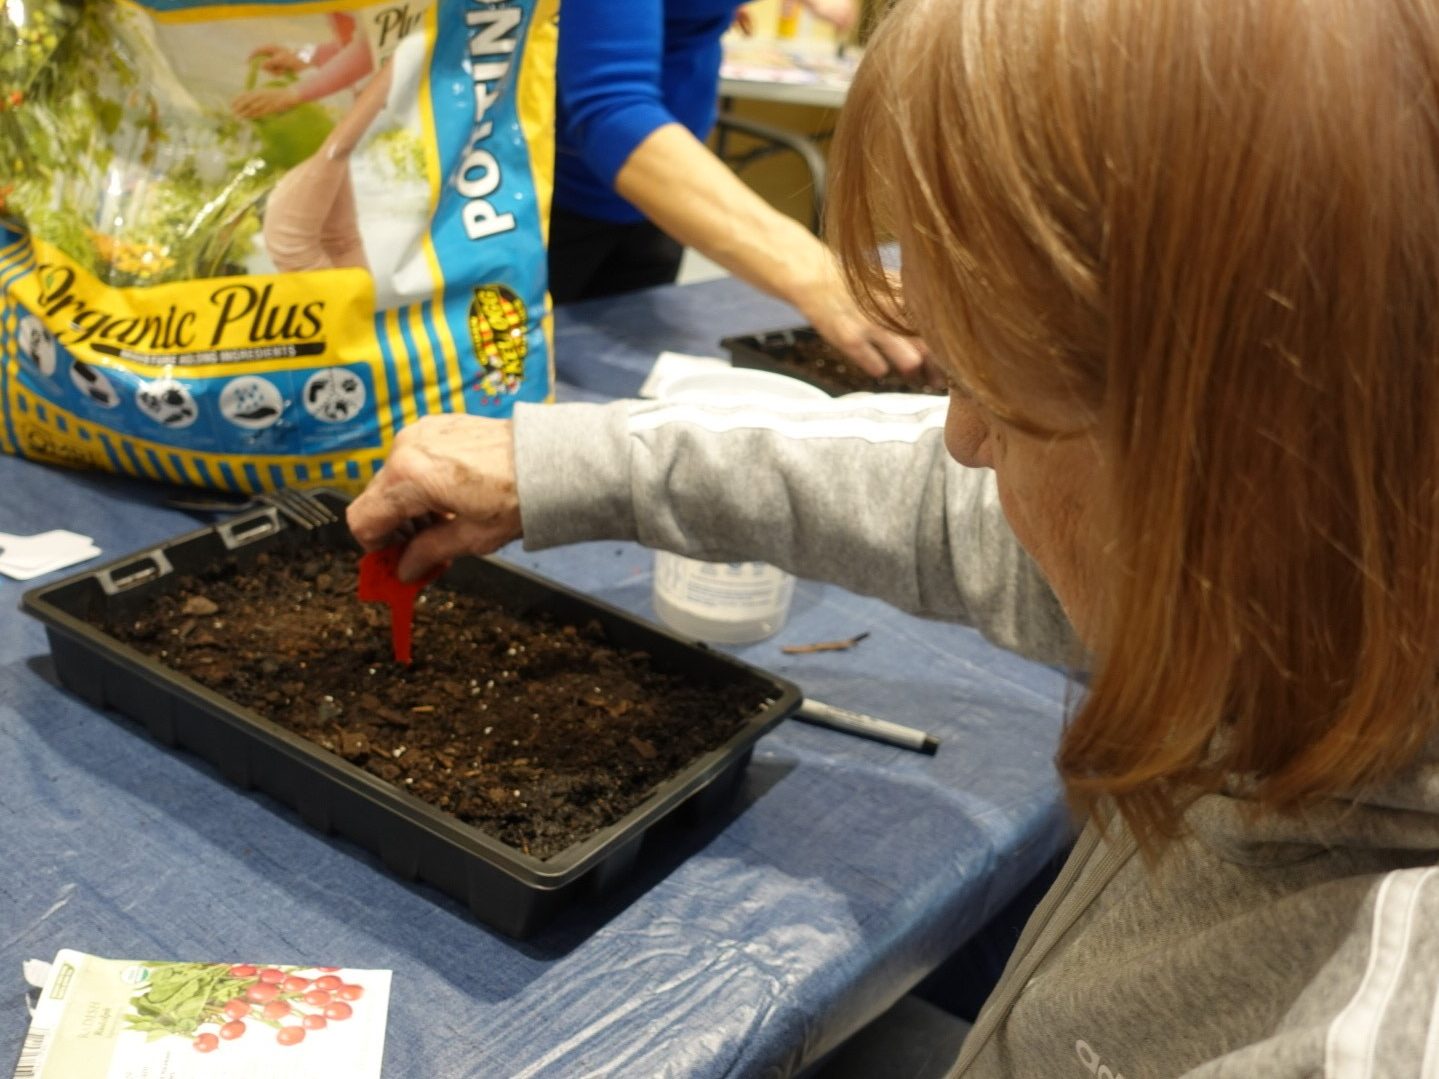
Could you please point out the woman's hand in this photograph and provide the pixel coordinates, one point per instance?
(453, 476)
(254, 104)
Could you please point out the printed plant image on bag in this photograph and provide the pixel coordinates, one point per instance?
(242, 245)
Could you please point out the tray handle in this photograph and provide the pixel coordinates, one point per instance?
(239, 531)
(149, 566)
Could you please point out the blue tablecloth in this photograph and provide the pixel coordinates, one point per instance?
(745, 946)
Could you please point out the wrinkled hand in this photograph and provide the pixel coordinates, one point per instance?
(454, 476)
(832, 311)
(254, 104)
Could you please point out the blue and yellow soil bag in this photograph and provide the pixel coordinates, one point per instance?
(241, 245)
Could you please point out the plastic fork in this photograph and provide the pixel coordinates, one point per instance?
(299, 507)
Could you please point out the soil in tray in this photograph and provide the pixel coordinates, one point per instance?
(534, 731)
(815, 360)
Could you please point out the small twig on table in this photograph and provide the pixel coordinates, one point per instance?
(824, 646)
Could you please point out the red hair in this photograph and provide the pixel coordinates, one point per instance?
(1209, 229)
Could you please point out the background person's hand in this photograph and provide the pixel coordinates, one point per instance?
(837, 318)
(454, 472)
(278, 59)
(842, 13)
(254, 104)
(685, 189)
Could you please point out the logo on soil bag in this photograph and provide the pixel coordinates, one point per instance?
(333, 394)
(167, 401)
(46, 445)
(498, 328)
(251, 402)
(37, 344)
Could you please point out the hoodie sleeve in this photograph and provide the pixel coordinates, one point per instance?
(858, 491)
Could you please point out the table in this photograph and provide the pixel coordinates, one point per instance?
(788, 72)
(745, 946)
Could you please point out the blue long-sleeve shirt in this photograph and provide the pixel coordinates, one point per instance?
(627, 67)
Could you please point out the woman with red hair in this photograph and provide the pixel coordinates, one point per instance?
(1180, 262)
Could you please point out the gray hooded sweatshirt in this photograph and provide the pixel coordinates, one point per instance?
(1285, 947)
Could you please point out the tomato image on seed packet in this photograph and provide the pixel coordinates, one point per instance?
(118, 1019)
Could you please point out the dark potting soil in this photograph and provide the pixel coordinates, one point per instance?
(813, 359)
(534, 731)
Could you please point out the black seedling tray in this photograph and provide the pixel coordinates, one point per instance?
(792, 352)
(503, 887)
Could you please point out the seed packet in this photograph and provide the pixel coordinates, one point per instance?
(242, 245)
(125, 1019)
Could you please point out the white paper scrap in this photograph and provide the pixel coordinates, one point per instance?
(24, 557)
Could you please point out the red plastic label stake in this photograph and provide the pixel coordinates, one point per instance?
(379, 583)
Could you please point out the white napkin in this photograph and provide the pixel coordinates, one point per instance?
(24, 557)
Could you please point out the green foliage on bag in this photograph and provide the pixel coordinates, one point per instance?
(289, 137)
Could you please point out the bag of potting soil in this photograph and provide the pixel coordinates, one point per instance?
(241, 245)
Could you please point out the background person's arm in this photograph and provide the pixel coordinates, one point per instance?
(690, 193)
(610, 74)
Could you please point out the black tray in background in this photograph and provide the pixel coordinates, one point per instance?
(774, 351)
(503, 887)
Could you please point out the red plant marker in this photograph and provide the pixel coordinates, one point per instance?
(379, 583)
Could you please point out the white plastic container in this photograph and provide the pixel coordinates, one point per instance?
(725, 602)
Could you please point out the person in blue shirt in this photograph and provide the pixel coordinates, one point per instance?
(634, 182)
